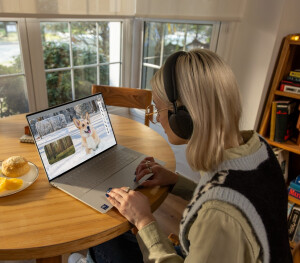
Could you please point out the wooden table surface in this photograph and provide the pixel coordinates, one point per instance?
(43, 222)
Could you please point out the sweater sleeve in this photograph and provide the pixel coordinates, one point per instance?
(184, 187)
(221, 234)
(155, 245)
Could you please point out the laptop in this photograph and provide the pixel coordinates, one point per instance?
(79, 151)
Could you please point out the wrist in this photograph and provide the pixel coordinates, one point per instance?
(145, 221)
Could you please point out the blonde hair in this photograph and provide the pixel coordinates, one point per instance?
(207, 87)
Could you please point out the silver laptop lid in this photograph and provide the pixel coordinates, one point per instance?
(70, 134)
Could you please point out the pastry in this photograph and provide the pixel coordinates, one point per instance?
(15, 166)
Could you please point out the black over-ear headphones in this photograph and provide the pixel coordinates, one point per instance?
(180, 120)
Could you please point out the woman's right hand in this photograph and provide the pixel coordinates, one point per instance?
(161, 176)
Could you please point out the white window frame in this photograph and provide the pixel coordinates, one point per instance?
(138, 28)
(37, 61)
(24, 53)
(131, 50)
(137, 81)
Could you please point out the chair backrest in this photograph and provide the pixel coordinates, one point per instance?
(125, 97)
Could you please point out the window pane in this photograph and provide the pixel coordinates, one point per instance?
(84, 45)
(146, 77)
(13, 96)
(198, 36)
(84, 79)
(174, 38)
(10, 54)
(58, 87)
(55, 41)
(109, 42)
(83, 36)
(152, 43)
(114, 74)
(104, 75)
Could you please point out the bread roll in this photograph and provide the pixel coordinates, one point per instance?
(15, 166)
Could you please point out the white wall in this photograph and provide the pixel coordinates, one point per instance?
(252, 51)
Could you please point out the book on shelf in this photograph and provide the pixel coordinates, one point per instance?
(293, 79)
(294, 200)
(296, 237)
(289, 86)
(295, 184)
(294, 193)
(291, 204)
(295, 73)
(285, 122)
(293, 222)
(273, 120)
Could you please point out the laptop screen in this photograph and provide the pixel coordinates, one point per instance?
(72, 133)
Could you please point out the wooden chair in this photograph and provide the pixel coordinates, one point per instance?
(126, 97)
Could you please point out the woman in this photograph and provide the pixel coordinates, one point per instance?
(237, 211)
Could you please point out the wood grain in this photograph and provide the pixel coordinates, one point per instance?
(125, 97)
(44, 222)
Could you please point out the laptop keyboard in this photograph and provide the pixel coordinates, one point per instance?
(92, 173)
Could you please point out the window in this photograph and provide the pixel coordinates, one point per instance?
(45, 62)
(13, 92)
(78, 54)
(163, 38)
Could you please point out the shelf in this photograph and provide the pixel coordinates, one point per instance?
(288, 145)
(287, 94)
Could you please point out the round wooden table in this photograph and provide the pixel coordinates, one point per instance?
(42, 222)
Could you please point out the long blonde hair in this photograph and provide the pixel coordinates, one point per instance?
(207, 87)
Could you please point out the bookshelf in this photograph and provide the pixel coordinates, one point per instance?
(289, 59)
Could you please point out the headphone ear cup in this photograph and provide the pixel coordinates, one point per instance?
(181, 123)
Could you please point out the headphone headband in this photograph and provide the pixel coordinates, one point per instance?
(169, 76)
(180, 120)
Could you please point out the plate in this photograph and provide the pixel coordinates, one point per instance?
(28, 179)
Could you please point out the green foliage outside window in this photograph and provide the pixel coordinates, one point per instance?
(56, 55)
(56, 51)
(13, 98)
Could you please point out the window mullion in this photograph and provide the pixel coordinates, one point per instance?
(185, 37)
(98, 55)
(162, 42)
(71, 62)
(35, 55)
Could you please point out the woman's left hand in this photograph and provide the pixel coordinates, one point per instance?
(133, 205)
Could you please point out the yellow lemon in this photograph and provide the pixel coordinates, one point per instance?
(2, 183)
(13, 183)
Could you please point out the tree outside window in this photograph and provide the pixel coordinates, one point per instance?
(79, 54)
(161, 39)
(13, 95)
